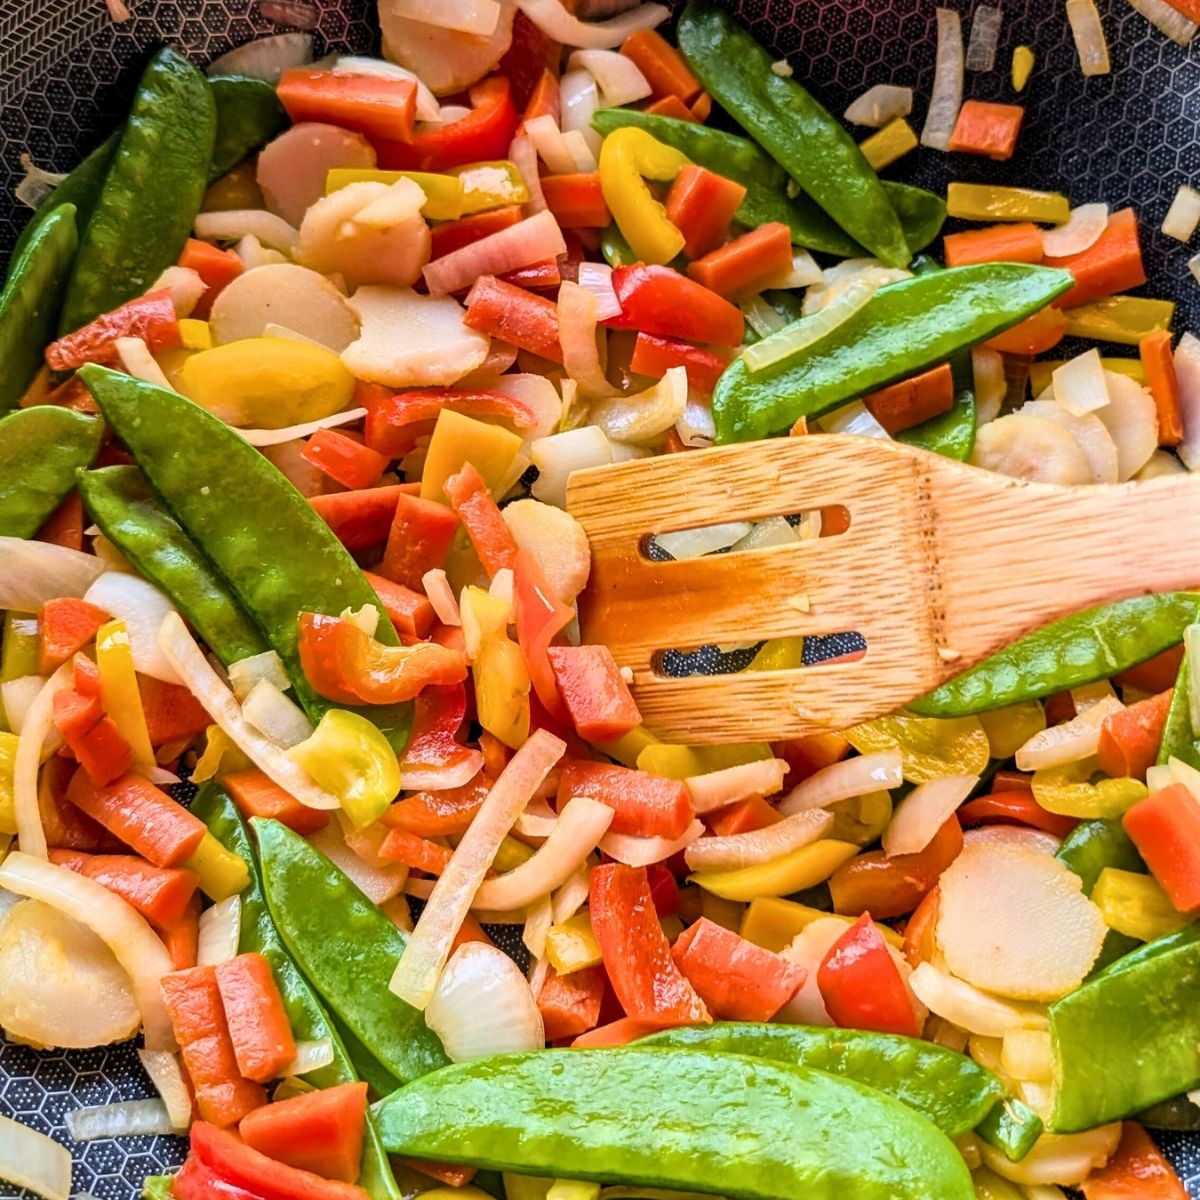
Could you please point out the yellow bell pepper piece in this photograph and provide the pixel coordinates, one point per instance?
(778, 654)
(983, 202)
(726, 913)
(1121, 319)
(773, 923)
(525, 1187)
(1008, 729)
(458, 440)
(573, 1189)
(628, 157)
(351, 759)
(1069, 790)
(892, 142)
(1022, 66)
(861, 819)
(626, 749)
(483, 616)
(8, 761)
(791, 872)
(222, 873)
(119, 690)
(195, 335)
(267, 383)
(679, 762)
(502, 690)
(932, 748)
(1040, 372)
(1136, 905)
(19, 650)
(443, 193)
(572, 945)
(220, 756)
(511, 855)
(990, 1186)
(490, 185)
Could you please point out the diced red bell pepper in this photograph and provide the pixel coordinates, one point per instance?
(570, 1004)
(1154, 675)
(160, 894)
(620, 1032)
(350, 463)
(637, 956)
(321, 1131)
(807, 755)
(400, 846)
(1130, 737)
(422, 532)
(516, 316)
(701, 205)
(65, 626)
(454, 235)
(343, 663)
(596, 696)
(1014, 805)
(381, 107)
(664, 891)
(577, 200)
(744, 267)
(1165, 827)
(661, 301)
(646, 805)
(361, 520)
(151, 318)
(172, 713)
(257, 795)
(198, 1182)
(483, 136)
(527, 60)
(395, 419)
(861, 985)
(410, 611)
(1138, 1170)
(655, 356)
(737, 980)
(444, 813)
(101, 751)
(64, 526)
(1111, 264)
(258, 1024)
(433, 747)
(489, 533)
(216, 267)
(540, 617)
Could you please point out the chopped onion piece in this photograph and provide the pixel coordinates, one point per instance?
(277, 437)
(708, 539)
(1056, 1158)
(523, 154)
(17, 697)
(573, 894)
(577, 334)
(924, 811)
(804, 272)
(1080, 385)
(854, 418)
(1068, 742)
(533, 240)
(619, 79)
(880, 105)
(696, 427)
(991, 386)
(971, 1009)
(1187, 371)
(1183, 216)
(282, 720)
(37, 184)
(642, 419)
(35, 572)
(844, 780)
(645, 851)
(537, 821)
(128, 1118)
(985, 36)
(1131, 419)
(761, 845)
(483, 1005)
(761, 317)
(441, 595)
(579, 97)
(763, 777)
(143, 608)
(233, 225)
(558, 24)
(134, 944)
(1088, 32)
(220, 930)
(416, 975)
(799, 335)
(479, 17)
(538, 919)
(776, 531)
(136, 359)
(548, 139)
(1167, 20)
(38, 740)
(378, 884)
(310, 1056)
(32, 1160)
(597, 279)
(560, 455)
(579, 148)
(167, 1076)
(266, 58)
(246, 672)
(946, 99)
(1082, 230)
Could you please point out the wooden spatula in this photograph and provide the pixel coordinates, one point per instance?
(942, 565)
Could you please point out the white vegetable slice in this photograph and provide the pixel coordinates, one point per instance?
(1090, 42)
(446, 60)
(539, 394)
(854, 418)
(291, 433)
(987, 369)
(32, 1160)
(1070, 741)
(971, 1009)
(1089, 433)
(985, 36)
(1015, 922)
(1017, 835)
(1131, 419)
(246, 672)
(556, 540)
(1057, 1159)
(220, 931)
(811, 329)
(292, 169)
(310, 1056)
(619, 79)
(1080, 384)
(1082, 230)
(946, 99)
(143, 608)
(708, 539)
(844, 780)
(479, 17)
(643, 419)
(924, 811)
(17, 697)
(643, 851)
(739, 850)
(301, 300)
(560, 455)
(560, 26)
(167, 1076)
(1167, 20)
(880, 105)
(265, 58)
(378, 884)
(136, 360)
(235, 224)
(35, 572)
(126, 1118)
(715, 789)
(1031, 448)
(269, 711)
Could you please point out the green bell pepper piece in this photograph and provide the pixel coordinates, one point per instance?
(903, 328)
(1094, 644)
(249, 115)
(679, 1118)
(1012, 1127)
(41, 449)
(1178, 740)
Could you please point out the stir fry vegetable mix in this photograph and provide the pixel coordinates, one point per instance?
(282, 508)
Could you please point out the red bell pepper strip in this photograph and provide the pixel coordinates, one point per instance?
(394, 419)
(664, 891)
(742, 816)
(378, 106)
(344, 460)
(744, 267)
(193, 1003)
(891, 887)
(161, 895)
(439, 814)
(516, 316)
(1165, 827)
(988, 129)
(409, 610)
(527, 60)
(343, 663)
(92, 738)
(454, 235)
(422, 532)
(141, 815)
(596, 696)
(1138, 1170)
(861, 985)
(258, 1024)
(151, 318)
(1154, 675)
(198, 1182)
(400, 846)
(637, 956)
(244, 1167)
(66, 827)
(216, 267)
(64, 526)
(361, 520)
(182, 937)
(321, 1131)
(541, 617)
(482, 136)
(65, 626)
(256, 795)
(701, 205)
(1019, 242)
(661, 301)
(920, 932)
(737, 980)
(1111, 264)
(172, 713)
(489, 533)
(646, 805)
(433, 747)
(663, 66)
(655, 356)
(1130, 738)
(570, 1004)
(1014, 805)
(576, 200)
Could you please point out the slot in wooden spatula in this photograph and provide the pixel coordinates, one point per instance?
(942, 565)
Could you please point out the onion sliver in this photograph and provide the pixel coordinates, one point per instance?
(844, 780)
(143, 608)
(416, 976)
(1066, 1159)
(378, 884)
(1082, 230)
(538, 919)
(246, 672)
(1167, 20)
(803, 333)
(533, 240)
(971, 1009)
(645, 851)
(714, 790)
(167, 1076)
(572, 896)
(34, 1161)
(219, 702)
(276, 437)
(880, 105)
(577, 832)
(265, 58)
(1069, 742)
(760, 845)
(17, 697)
(136, 360)
(551, 146)
(707, 539)
(310, 1056)
(275, 716)
(127, 1118)
(220, 931)
(946, 99)
(523, 154)
(483, 1005)
(985, 36)
(924, 811)
(619, 79)
(577, 320)
(233, 225)
(1187, 371)
(1088, 32)
(1080, 384)
(641, 420)
(35, 572)
(441, 596)
(31, 749)
(560, 26)
(1183, 216)
(134, 944)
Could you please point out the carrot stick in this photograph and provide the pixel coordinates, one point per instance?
(1112, 264)
(544, 101)
(360, 519)
(1165, 827)
(400, 846)
(700, 205)
(616, 1033)
(997, 243)
(570, 1004)
(65, 626)
(321, 1131)
(216, 267)
(160, 894)
(1035, 335)
(748, 264)
(1159, 365)
(258, 1025)
(182, 939)
(1130, 737)
(663, 65)
(671, 106)
(409, 610)
(987, 129)
(489, 533)
(420, 537)
(911, 401)
(258, 796)
(576, 200)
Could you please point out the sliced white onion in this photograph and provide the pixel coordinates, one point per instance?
(535, 239)
(266, 58)
(1187, 372)
(776, 531)
(428, 108)
(1184, 214)
(579, 97)
(537, 821)
(32, 1160)
(281, 720)
(1084, 228)
(1066, 1159)
(880, 105)
(799, 335)
(416, 975)
(254, 254)
(573, 894)
(184, 284)
(136, 359)
(538, 919)
(378, 884)
(696, 427)
(761, 317)
(220, 931)
(233, 225)
(558, 24)
(804, 271)
(708, 539)
(36, 184)
(844, 780)
(559, 456)
(619, 78)
(134, 944)
(537, 393)
(991, 386)
(1088, 32)
(1167, 20)
(483, 1005)
(854, 418)
(310, 1056)
(946, 99)
(971, 1009)
(1080, 384)
(985, 36)
(715, 789)
(17, 697)
(246, 672)
(548, 140)
(740, 850)
(441, 596)
(478, 17)
(167, 1076)
(577, 334)
(1069, 742)
(645, 851)
(35, 572)
(38, 740)
(523, 154)
(290, 433)
(579, 147)
(143, 608)
(642, 419)
(128, 1118)
(924, 811)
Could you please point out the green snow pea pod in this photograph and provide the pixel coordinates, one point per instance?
(921, 213)
(347, 948)
(248, 116)
(1178, 740)
(382, 1082)
(133, 518)
(151, 193)
(31, 299)
(800, 134)
(41, 449)
(307, 1017)
(902, 329)
(679, 1118)
(950, 1089)
(263, 537)
(1094, 644)
(1127, 1038)
(952, 434)
(1012, 1127)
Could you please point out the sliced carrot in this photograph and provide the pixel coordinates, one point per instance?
(988, 129)
(577, 201)
(172, 713)
(570, 1004)
(216, 267)
(182, 939)
(670, 106)
(663, 66)
(701, 205)
(1035, 335)
(75, 712)
(544, 100)
(620, 1032)
(743, 816)
(65, 626)
(745, 266)
(1021, 242)
(256, 795)
(1112, 264)
(420, 853)
(160, 894)
(320, 1131)
(361, 519)
(86, 676)
(1130, 737)
(258, 1024)
(102, 752)
(378, 106)
(911, 401)
(702, 107)
(1154, 675)
(1159, 365)
(1189, 8)
(64, 527)
(1165, 827)
(1138, 1170)
(409, 610)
